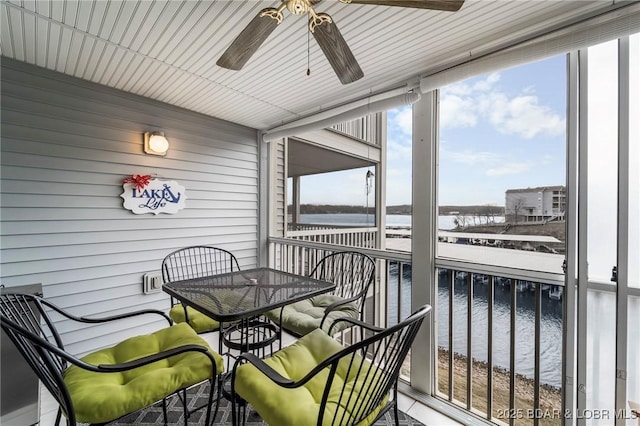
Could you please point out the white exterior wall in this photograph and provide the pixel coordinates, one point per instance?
(66, 147)
(522, 203)
(547, 203)
(536, 203)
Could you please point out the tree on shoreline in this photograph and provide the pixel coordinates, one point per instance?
(514, 210)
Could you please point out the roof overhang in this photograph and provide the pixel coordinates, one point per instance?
(324, 151)
(167, 50)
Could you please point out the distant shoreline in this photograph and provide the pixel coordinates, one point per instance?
(403, 209)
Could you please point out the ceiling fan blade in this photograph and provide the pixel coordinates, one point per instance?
(447, 5)
(335, 48)
(248, 41)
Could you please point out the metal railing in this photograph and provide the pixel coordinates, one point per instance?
(492, 334)
(360, 237)
(499, 350)
(300, 256)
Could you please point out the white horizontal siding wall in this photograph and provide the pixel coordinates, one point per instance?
(66, 147)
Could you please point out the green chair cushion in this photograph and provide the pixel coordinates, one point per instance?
(305, 316)
(197, 320)
(101, 397)
(300, 406)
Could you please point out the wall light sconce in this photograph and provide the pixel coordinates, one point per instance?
(155, 143)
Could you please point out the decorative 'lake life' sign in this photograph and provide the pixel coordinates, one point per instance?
(142, 194)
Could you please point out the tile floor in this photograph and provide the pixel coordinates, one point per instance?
(428, 416)
(417, 410)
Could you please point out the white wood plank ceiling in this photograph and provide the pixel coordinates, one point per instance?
(167, 50)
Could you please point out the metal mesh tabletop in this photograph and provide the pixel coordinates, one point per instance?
(237, 295)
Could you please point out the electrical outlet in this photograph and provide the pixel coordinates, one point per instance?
(151, 282)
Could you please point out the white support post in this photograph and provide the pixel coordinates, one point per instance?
(295, 214)
(571, 218)
(582, 264)
(624, 164)
(424, 236)
(381, 213)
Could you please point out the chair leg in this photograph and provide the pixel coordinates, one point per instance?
(395, 413)
(212, 383)
(238, 411)
(242, 413)
(218, 397)
(58, 416)
(185, 408)
(164, 411)
(395, 404)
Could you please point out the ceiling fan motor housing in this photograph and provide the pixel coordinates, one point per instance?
(298, 7)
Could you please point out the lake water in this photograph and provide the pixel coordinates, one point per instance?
(355, 219)
(550, 322)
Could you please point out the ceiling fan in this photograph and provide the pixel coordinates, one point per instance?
(323, 28)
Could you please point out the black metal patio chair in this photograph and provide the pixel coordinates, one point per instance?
(353, 273)
(112, 382)
(196, 262)
(317, 381)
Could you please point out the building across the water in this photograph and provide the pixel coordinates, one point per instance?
(535, 205)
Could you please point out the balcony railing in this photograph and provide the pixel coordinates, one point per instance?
(499, 337)
(364, 128)
(386, 300)
(500, 346)
(361, 237)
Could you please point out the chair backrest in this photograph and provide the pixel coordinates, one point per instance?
(377, 362)
(196, 262)
(26, 322)
(352, 273)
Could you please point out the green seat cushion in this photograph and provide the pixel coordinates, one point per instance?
(101, 397)
(306, 315)
(300, 406)
(197, 320)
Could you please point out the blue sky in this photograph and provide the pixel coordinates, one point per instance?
(498, 131)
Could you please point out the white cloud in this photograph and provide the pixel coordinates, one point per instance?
(488, 83)
(398, 151)
(468, 156)
(456, 111)
(509, 169)
(464, 105)
(401, 119)
(522, 116)
(495, 164)
(548, 159)
(464, 88)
